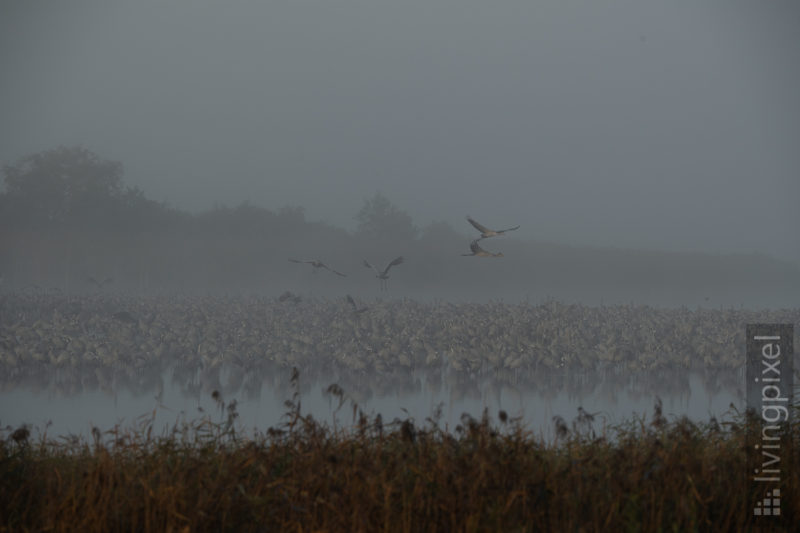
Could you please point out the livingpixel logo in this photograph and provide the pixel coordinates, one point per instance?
(769, 406)
(770, 505)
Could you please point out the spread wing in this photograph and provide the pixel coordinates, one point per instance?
(509, 229)
(355, 307)
(394, 262)
(478, 226)
(368, 265)
(332, 270)
(475, 247)
(297, 260)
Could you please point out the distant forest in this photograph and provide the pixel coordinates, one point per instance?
(66, 215)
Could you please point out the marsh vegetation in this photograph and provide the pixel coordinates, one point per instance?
(646, 474)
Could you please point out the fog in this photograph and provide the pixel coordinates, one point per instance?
(655, 125)
(164, 162)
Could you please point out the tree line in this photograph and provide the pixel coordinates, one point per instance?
(66, 214)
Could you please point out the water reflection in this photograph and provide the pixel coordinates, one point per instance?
(78, 360)
(73, 402)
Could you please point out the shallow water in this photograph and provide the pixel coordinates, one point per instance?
(260, 401)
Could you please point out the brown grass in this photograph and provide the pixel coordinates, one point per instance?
(654, 475)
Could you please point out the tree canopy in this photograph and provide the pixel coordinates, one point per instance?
(73, 187)
(380, 219)
(63, 185)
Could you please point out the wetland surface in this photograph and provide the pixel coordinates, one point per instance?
(73, 363)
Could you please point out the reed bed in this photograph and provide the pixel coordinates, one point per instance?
(645, 475)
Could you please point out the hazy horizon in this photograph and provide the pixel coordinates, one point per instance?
(631, 125)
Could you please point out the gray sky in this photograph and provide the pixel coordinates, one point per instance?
(665, 125)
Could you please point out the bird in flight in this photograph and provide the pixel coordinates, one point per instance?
(480, 252)
(317, 264)
(99, 284)
(486, 232)
(290, 296)
(355, 307)
(384, 276)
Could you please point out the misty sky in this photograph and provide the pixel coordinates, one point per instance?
(657, 124)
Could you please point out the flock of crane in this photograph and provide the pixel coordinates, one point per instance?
(118, 338)
(101, 283)
(383, 275)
